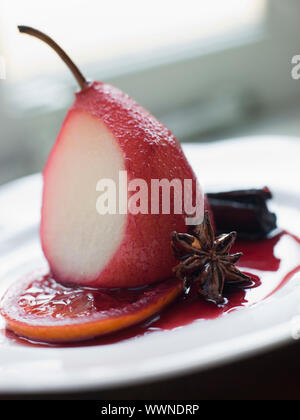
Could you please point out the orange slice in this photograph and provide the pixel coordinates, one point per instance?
(41, 309)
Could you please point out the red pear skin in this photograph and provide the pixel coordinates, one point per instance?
(104, 132)
(149, 151)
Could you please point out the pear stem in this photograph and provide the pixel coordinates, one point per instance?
(83, 83)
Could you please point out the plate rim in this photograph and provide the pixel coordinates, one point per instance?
(243, 346)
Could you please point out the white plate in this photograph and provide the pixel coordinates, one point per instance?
(245, 162)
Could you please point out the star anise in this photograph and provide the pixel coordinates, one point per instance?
(206, 260)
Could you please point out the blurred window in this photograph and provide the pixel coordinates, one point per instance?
(96, 31)
(205, 68)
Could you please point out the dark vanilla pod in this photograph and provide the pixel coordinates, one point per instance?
(244, 211)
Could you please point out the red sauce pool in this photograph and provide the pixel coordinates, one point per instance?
(270, 263)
